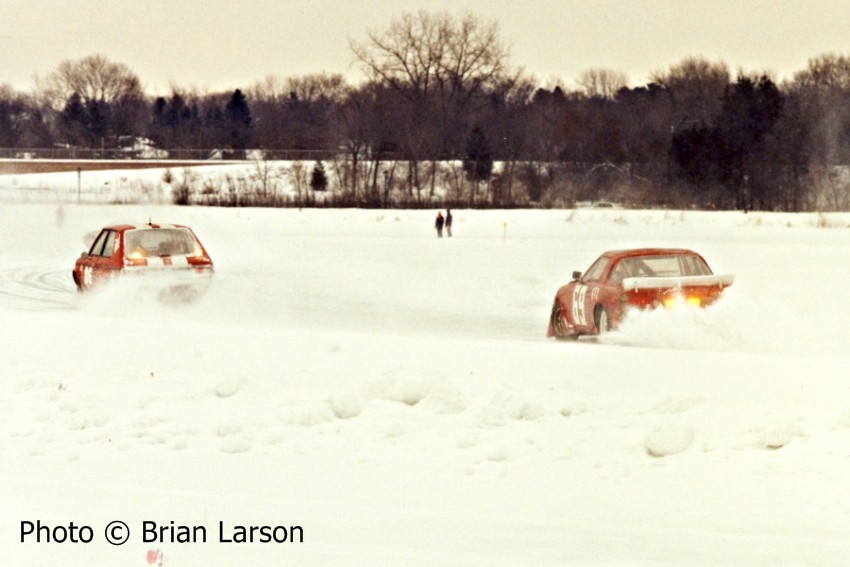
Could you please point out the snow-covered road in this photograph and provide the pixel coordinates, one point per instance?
(394, 395)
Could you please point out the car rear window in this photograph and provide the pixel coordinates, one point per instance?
(673, 265)
(145, 243)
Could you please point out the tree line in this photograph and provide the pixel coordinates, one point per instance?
(439, 89)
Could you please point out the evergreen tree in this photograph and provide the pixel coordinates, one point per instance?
(238, 117)
(214, 128)
(97, 122)
(478, 163)
(318, 179)
(72, 120)
(749, 112)
(695, 155)
(7, 127)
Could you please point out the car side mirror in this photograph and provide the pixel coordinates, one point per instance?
(84, 254)
(576, 276)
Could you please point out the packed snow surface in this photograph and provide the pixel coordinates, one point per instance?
(394, 397)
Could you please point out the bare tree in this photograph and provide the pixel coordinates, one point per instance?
(107, 98)
(602, 83)
(408, 56)
(317, 87)
(820, 96)
(355, 127)
(438, 66)
(94, 79)
(696, 87)
(824, 86)
(271, 89)
(828, 71)
(22, 124)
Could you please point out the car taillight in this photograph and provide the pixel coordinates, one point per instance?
(135, 260)
(670, 302)
(199, 260)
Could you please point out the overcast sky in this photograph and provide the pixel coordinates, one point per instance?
(226, 44)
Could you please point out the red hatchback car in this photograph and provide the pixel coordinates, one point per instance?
(598, 300)
(169, 251)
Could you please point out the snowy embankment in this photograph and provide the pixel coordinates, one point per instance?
(394, 394)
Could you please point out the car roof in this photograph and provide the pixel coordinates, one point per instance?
(648, 252)
(148, 226)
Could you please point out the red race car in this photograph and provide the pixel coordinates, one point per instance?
(170, 254)
(646, 278)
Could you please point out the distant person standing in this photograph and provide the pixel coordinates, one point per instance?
(449, 223)
(439, 224)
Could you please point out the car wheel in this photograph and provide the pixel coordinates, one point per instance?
(558, 324)
(603, 324)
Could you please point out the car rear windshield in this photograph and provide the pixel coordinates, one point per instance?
(674, 265)
(145, 243)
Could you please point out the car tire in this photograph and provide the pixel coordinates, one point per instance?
(558, 325)
(603, 322)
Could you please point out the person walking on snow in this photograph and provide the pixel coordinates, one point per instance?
(449, 223)
(439, 224)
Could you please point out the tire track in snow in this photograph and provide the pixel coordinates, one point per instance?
(36, 288)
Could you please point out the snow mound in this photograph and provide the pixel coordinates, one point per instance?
(227, 387)
(430, 390)
(345, 407)
(669, 440)
(780, 436)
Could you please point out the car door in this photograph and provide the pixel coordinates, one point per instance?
(102, 261)
(584, 294)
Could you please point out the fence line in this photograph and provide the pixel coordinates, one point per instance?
(150, 153)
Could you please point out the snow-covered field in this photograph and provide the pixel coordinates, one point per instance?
(393, 395)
